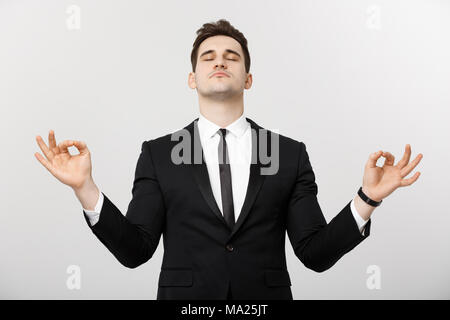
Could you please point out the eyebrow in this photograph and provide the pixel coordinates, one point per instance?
(226, 50)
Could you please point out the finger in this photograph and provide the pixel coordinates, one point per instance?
(45, 150)
(389, 159)
(372, 162)
(51, 140)
(64, 145)
(406, 156)
(406, 170)
(407, 182)
(44, 162)
(81, 146)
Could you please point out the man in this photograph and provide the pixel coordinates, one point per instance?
(223, 221)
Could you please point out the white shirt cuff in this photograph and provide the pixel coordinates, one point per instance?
(94, 216)
(359, 220)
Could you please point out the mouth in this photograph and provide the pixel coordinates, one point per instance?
(220, 74)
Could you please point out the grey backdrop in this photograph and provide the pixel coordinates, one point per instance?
(348, 78)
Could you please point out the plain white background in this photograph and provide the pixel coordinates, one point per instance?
(347, 78)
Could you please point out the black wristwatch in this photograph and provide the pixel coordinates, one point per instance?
(367, 200)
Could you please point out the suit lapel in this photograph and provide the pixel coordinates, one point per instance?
(201, 176)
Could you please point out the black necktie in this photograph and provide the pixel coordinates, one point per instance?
(225, 180)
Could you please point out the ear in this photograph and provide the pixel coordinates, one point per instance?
(191, 80)
(248, 81)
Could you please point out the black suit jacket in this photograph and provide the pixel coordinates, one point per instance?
(203, 258)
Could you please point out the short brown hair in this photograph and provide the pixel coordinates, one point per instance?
(220, 27)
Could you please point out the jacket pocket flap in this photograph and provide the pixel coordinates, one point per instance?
(277, 278)
(175, 278)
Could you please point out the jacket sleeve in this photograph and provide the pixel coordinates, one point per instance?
(317, 244)
(133, 238)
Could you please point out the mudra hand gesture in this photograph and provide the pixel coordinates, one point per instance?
(72, 170)
(379, 182)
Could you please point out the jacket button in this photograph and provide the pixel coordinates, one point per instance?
(230, 247)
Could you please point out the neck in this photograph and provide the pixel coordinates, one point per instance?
(222, 112)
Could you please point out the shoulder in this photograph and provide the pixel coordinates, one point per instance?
(165, 143)
(286, 143)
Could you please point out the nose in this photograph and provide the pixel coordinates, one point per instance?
(220, 65)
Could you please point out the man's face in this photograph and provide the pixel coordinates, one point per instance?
(220, 54)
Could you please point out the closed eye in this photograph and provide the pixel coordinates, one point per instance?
(227, 59)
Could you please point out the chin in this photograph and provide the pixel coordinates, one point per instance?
(219, 94)
(222, 89)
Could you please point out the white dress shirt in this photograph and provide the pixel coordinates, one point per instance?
(239, 145)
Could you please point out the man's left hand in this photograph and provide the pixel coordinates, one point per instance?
(379, 182)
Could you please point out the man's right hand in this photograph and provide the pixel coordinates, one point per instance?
(72, 170)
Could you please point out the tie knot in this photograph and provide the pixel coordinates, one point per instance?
(223, 132)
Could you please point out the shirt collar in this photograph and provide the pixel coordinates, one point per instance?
(208, 128)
